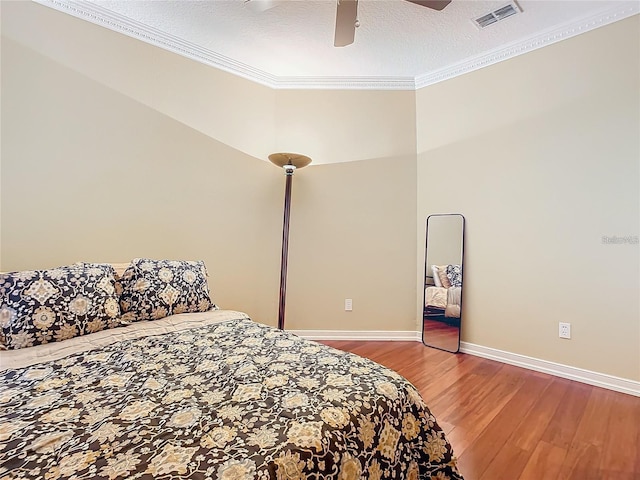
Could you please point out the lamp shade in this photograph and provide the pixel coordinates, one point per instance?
(295, 159)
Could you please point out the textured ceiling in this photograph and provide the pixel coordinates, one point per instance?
(398, 44)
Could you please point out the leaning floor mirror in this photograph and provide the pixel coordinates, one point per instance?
(442, 305)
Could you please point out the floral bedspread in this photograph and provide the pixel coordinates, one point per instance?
(232, 401)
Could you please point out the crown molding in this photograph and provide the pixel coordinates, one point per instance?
(345, 83)
(103, 17)
(544, 39)
(98, 15)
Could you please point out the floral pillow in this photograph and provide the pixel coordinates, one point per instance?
(454, 274)
(42, 306)
(153, 289)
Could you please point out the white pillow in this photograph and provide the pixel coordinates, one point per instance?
(436, 277)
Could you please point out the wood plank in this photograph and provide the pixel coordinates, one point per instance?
(470, 421)
(582, 463)
(545, 462)
(512, 459)
(565, 420)
(588, 439)
(620, 439)
(507, 464)
(479, 455)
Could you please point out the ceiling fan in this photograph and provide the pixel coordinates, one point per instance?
(347, 18)
(346, 15)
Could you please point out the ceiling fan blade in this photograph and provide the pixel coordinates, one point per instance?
(346, 16)
(433, 4)
(261, 5)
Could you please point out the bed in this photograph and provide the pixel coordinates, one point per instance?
(208, 395)
(443, 292)
(443, 301)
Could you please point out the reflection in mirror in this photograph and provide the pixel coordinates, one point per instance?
(442, 312)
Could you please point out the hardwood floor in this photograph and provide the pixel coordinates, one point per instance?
(441, 334)
(509, 423)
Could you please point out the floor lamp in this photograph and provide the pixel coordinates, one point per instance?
(289, 162)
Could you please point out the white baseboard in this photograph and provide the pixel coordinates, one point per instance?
(596, 379)
(369, 335)
(610, 382)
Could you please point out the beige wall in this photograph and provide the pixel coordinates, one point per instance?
(95, 167)
(345, 126)
(0, 154)
(329, 126)
(89, 174)
(199, 96)
(352, 224)
(352, 231)
(541, 174)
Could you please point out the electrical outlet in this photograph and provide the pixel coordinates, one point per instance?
(348, 304)
(565, 330)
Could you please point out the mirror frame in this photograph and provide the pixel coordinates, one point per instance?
(424, 278)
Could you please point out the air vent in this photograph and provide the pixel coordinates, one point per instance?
(497, 15)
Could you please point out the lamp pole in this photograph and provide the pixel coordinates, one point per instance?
(285, 246)
(289, 162)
